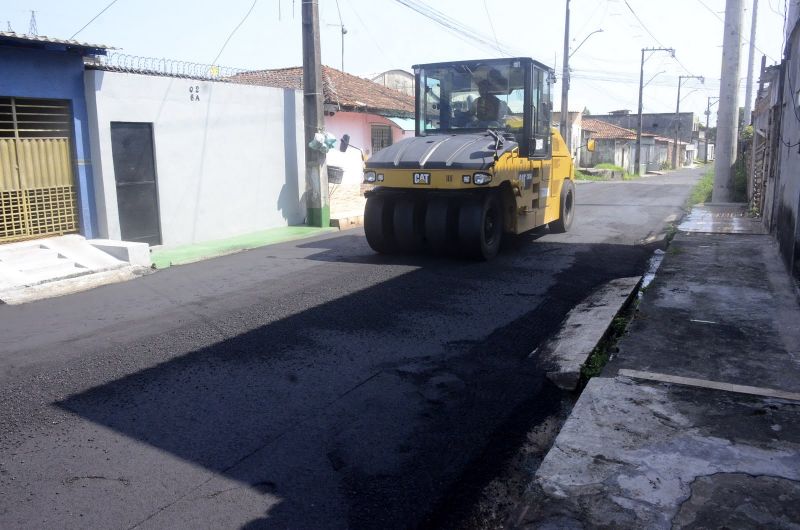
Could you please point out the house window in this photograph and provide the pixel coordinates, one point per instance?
(381, 137)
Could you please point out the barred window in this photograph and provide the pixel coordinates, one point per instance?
(381, 137)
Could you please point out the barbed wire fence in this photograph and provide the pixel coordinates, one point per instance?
(281, 77)
(122, 62)
(136, 64)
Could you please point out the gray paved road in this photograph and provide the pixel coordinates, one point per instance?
(306, 385)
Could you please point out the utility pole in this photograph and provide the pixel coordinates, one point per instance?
(343, 30)
(678, 117)
(638, 154)
(727, 116)
(565, 129)
(708, 117)
(748, 94)
(317, 207)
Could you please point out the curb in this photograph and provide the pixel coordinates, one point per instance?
(214, 249)
(71, 285)
(345, 223)
(584, 328)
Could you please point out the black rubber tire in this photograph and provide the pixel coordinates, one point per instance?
(566, 208)
(378, 224)
(409, 224)
(480, 226)
(441, 219)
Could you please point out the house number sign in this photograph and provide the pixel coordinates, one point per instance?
(194, 93)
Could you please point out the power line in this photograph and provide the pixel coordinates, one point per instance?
(639, 20)
(642, 24)
(775, 10)
(460, 30)
(747, 41)
(94, 18)
(592, 18)
(491, 25)
(234, 31)
(371, 36)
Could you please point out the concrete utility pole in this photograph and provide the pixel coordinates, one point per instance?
(317, 207)
(708, 118)
(727, 118)
(565, 133)
(748, 94)
(678, 117)
(638, 154)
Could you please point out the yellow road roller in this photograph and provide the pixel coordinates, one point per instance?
(485, 161)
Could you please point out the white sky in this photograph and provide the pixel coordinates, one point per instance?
(382, 34)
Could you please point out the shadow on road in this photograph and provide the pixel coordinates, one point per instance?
(353, 248)
(369, 410)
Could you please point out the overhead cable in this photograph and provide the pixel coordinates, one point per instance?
(94, 18)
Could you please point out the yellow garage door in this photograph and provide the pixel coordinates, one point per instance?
(37, 194)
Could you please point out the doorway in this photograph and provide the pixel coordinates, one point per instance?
(135, 176)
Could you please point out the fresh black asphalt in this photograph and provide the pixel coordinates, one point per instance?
(311, 384)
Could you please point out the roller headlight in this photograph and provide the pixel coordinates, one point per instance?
(369, 176)
(481, 178)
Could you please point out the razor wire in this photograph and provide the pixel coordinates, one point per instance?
(122, 62)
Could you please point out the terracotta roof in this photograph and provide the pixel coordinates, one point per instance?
(41, 39)
(607, 131)
(344, 90)
(602, 130)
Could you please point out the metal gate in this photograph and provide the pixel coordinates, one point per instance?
(37, 193)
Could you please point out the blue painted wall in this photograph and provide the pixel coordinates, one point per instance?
(36, 73)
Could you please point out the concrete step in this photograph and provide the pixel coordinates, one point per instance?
(54, 269)
(30, 270)
(23, 259)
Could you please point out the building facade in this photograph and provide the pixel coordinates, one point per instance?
(662, 124)
(372, 115)
(399, 80)
(46, 173)
(180, 161)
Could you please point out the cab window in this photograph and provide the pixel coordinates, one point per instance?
(540, 113)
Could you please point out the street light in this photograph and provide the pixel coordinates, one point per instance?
(564, 126)
(658, 74)
(638, 158)
(584, 40)
(678, 116)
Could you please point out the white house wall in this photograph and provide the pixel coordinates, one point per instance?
(358, 125)
(229, 158)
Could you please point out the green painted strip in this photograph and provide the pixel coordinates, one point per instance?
(163, 258)
(319, 217)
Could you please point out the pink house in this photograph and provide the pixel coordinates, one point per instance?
(373, 115)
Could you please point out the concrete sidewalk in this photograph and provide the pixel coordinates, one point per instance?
(58, 265)
(696, 420)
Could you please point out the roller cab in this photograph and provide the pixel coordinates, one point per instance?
(484, 162)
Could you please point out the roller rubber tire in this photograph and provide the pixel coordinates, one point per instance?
(566, 209)
(441, 217)
(408, 220)
(378, 221)
(480, 226)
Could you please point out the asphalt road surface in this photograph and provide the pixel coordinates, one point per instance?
(311, 384)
